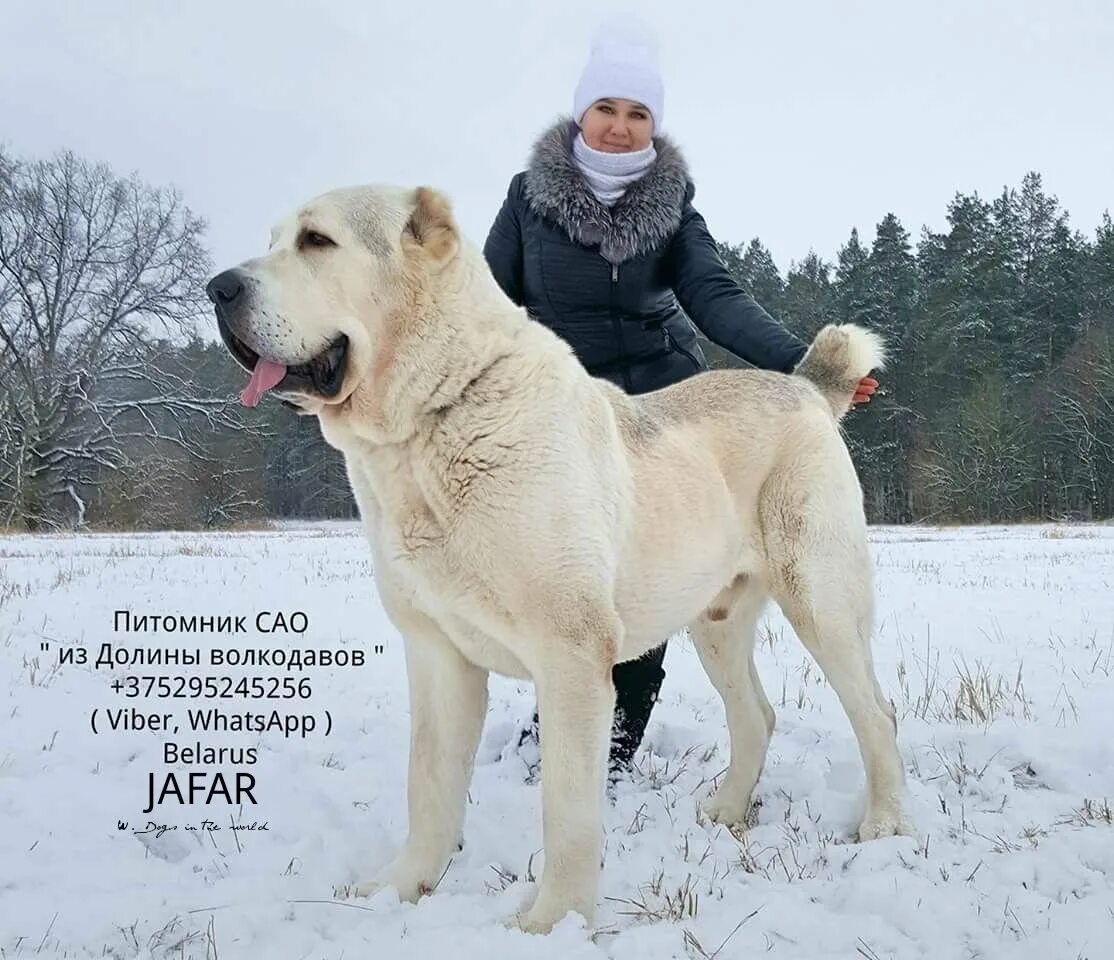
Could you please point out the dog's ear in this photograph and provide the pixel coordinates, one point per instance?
(431, 226)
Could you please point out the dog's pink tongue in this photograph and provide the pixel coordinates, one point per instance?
(265, 375)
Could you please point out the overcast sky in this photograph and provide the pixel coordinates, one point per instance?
(799, 120)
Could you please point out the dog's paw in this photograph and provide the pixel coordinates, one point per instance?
(518, 922)
(885, 823)
(350, 891)
(347, 891)
(409, 882)
(527, 923)
(539, 913)
(725, 814)
(733, 812)
(535, 921)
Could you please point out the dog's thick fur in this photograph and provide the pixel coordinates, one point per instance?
(529, 519)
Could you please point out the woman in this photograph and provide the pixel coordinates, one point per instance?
(598, 240)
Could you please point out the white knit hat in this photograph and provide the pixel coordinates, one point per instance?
(623, 64)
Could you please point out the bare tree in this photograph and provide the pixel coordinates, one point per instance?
(94, 270)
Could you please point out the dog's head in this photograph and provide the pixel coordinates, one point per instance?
(307, 319)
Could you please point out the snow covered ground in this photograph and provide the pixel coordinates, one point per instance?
(996, 644)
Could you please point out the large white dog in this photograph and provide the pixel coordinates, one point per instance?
(529, 519)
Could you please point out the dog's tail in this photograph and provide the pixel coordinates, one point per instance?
(839, 357)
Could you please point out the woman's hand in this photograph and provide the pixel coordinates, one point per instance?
(864, 390)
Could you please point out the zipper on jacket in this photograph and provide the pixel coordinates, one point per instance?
(676, 347)
(617, 325)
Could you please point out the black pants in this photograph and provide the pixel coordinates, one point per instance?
(637, 683)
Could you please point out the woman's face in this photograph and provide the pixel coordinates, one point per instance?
(617, 126)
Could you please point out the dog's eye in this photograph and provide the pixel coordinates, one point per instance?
(311, 238)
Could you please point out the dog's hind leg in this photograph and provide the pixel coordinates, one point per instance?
(763, 700)
(724, 636)
(821, 579)
(448, 701)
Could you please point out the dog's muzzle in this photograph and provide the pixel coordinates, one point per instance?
(322, 375)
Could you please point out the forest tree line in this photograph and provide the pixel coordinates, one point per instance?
(118, 411)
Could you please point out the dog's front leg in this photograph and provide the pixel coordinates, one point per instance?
(448, 700)
(576, 699)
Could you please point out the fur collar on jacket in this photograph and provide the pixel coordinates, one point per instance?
(643, 218)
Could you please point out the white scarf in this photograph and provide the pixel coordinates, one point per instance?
(609, 174)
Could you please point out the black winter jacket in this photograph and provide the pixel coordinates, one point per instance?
(617, 283)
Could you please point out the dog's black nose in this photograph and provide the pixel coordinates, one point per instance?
(225, 287)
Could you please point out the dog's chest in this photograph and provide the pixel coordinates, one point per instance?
(412, 531)
(413, 513)
(409, 532)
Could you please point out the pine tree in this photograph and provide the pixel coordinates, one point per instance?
(809, 299)
(885, 291)
(762, 277)
(851, 281)
(755, 271)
